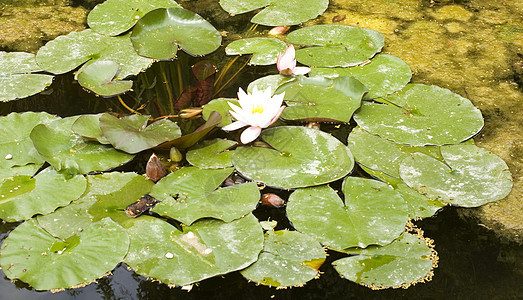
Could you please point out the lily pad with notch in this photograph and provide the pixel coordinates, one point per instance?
(289, 258)
(162, 31)
(133, 134)
(76, 261)
(23, 196)
(17, 80)
(277, 12)
(335, 45)
(205, 249)
(67, 52)
(383, 75)
(270, 81)
(421, 115)
(373, 214)
(191, 193)
(408, 260)
(67, 151)
(469, 176)
(319, 99)
(16, 148)
(299, 157)
(114, 17)
(88, 126)
(98, 78)
(264, 50)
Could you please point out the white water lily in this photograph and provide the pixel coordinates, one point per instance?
(258, 110)
(286, 63)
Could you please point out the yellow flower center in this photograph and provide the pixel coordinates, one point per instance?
(258, 109)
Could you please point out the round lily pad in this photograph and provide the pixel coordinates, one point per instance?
(265, 50)
(67, 52)
(65, 150)
(160, 32)
(277, 12)
(404, 262)
(422, 115)
(98, 78)
(132, 134)
(16, 148)
(107, 195)
(469, 176)
(220, 105)
(211, 154)
(373, 214)
(335, 45)
(16, 80)
(191, 193)
(300, 157)
(34, 256)
(379, 154)
(289, 258)
(383, 75)
(113, 17)
(29, 169)
(207, 248)
(88, 126)
(320, 99)
(23, 196)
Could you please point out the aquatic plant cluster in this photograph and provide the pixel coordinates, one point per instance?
(85, 209)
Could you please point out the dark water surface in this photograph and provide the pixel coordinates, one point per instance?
(473, 264)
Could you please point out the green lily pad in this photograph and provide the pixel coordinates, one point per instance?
(422, 115)
(88, 126)
(113, 17)
(191, 193)
(161, 31)
(98, 78)
(289, 258)
(211, 154)
(420, 206)
(404, 262)
(469, 176)
(188, 140)
(206, 249)
(16, 148)
(132, 134)
(29, 170)
(220, 105)
(383, 75)
(301, 157)
(16, 80)
(270, 81)
(379, 154)
(34, 256)
(23, 196)
(335, 45)
(107, 195)
(66, 151)
(265, 50)
(320, 99)
(277, 12)
(373, 214)
(67, 52)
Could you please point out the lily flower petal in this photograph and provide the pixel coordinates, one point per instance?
(250, 134)
(234, 126)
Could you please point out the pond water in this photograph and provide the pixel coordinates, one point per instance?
(474, 48)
